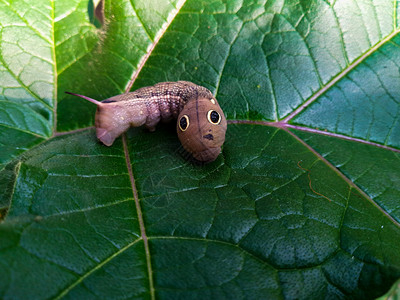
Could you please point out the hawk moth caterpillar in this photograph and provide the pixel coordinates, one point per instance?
(201, 124)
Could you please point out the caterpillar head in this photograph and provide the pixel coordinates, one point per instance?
(201, 128)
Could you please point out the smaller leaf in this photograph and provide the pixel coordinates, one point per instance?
(96, 12)
(393, 293)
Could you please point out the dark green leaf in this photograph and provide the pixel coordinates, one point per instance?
(303, 201)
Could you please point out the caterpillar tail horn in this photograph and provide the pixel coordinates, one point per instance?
(98, 103)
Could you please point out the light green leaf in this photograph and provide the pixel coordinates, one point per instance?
(393, 293)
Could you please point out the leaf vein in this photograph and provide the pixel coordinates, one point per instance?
(95, 268)
(341, 75)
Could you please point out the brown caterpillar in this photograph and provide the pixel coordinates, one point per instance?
(201, 122)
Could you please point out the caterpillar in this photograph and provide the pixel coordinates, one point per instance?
(201, 123)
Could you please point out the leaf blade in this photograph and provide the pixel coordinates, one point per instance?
(280, 213)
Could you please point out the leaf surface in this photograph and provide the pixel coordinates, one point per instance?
(302, 202)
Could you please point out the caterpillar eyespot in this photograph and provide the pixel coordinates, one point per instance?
(201, 124)
(184, 123)
(213, 117)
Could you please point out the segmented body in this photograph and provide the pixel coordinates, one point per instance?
(201, 122)
(163, 101)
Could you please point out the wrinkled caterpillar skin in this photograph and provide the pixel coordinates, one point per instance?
(201, 125)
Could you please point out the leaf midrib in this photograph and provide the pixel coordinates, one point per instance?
(139, 216)
(126, 150)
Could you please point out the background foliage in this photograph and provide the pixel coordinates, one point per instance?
(302, 203)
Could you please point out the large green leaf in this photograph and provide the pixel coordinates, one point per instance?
(303, 202)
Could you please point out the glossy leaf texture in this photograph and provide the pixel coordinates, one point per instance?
(302, 203)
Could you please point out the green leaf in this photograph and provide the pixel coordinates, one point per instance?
(303, 201)
(27, 77)
(393, 294)
(104, 64)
